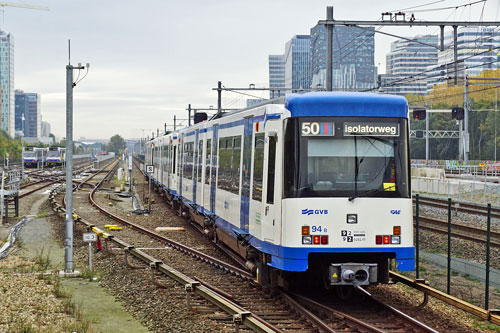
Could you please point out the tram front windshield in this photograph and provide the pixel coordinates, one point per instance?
(342, 157)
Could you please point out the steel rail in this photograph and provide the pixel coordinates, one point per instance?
(471, 231)
(489, 315)
(462, 206)
(412, 321)
(351, 321)
(239, 314)
(195, 253)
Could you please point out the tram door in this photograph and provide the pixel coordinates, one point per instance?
(271, 222)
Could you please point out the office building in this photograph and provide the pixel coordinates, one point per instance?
(276, 75)
(407, 64)
(45, 129)
(27, 105)
(255, 101)
(353, 51)
(477, 50)
(297, 63)
(7, 82)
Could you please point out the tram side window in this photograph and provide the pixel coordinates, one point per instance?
(207, 161)
(229, 165)
(165, 158)
(258, 167)
(195, 160)
(214, 163)
(224, 163)
(271, 170)
(179, 160)
(188, 160)
(174, 159)
(169, 158)
(155, 159)
(200, 161)
(235, 165)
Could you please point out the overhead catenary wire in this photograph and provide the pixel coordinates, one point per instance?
(446, 8)
(416, 77)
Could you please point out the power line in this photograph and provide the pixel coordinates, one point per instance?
(446, 8)
(405, 79)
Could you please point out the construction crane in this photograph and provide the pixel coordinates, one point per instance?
(21, 5)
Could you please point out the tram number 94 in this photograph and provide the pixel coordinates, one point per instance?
(318, 229)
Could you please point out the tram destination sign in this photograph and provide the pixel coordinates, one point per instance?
(375, 129)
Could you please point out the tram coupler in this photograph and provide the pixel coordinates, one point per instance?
(353, 274)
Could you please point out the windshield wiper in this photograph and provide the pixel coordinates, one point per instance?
(375, 190)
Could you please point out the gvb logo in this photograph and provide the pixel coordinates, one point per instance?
(314, 211)
(395, 211)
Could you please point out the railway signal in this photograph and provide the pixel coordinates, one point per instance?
(457, 113)
(419, 114)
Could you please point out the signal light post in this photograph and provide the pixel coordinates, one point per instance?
(68, 252)
(421, 114)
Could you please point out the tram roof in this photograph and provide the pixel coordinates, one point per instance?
(346, 104)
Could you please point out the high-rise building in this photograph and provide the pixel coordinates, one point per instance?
(407, 63)
(255, 101)
(477, 50)
(7, 82)
(353, 52)
(45, 129)
(276, 75)
(28, 105)
(297, 63)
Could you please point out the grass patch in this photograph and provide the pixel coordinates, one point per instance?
(484, 325)
(42, 214)
(42, 261)
(88, 275)
(59, 291)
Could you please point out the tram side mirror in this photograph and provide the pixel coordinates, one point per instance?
(272, 133)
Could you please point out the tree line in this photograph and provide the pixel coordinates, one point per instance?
(483, 120)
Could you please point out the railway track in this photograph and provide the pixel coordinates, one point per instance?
(478, 209)
(459, 231)
(377, 316)
(233, 283)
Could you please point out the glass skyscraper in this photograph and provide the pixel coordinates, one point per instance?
(7, 81)
(297, 63)
(28, 104)
(276, 75)
(353, 52)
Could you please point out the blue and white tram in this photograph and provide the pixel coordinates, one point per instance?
(316, 186)
(55, 157)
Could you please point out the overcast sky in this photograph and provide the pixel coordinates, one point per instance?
(150, 58)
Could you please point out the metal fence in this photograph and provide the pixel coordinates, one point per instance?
(450, 208)
(483, 191)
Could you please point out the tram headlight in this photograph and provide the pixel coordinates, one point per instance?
(352, 218)
(395, 239)
(307, 240)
